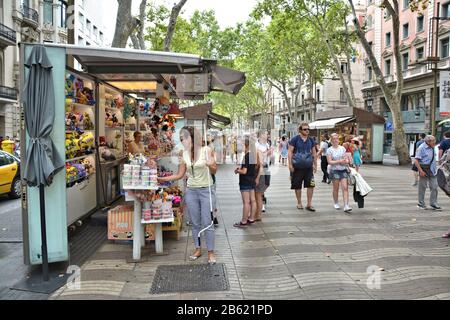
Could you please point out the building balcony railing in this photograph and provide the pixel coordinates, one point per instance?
(7, 35)
(8, 93)
(31, 15)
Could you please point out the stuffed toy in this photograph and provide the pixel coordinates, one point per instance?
(115, 120)
(89, 96)
(81, 171)
(87, 141)
(108, 120)
(70, 85)
(88, 166)
(88, 125)
(81, 97)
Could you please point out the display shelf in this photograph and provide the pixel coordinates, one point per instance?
(82, 105)
(158, 221)
(111, 108)
(72, 131)
(78, 180)
(114, 128)
(80, 157)
(142, 188)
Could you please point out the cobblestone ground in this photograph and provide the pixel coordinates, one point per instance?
(296, 254)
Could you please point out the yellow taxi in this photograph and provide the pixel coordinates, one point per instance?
(10, 175)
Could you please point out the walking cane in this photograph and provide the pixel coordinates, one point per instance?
(210, 196)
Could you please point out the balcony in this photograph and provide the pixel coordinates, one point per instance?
(30, 16)
(7, 36)
(8, 94)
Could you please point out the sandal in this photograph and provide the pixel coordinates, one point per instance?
(194, 257)
(299, 207)
(240, 224)
(212, 261)
(311, 209)
(446, 236)
(251, 221)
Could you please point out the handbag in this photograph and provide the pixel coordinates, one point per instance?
(302, 160)
(427, 167)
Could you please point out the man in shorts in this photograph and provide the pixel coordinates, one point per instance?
(303, 143)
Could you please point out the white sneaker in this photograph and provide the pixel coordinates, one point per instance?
(337, 206)
(347, 208)
(263, 208)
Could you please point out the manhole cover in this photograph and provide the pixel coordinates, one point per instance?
(190, 278)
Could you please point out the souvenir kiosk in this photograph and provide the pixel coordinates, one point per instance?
(94, 116)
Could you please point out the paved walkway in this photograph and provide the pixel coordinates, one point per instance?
(295, 254)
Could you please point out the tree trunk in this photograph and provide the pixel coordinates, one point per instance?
(172, 23)
(392, 99)
(349, 68)
(125, 24)
(337, 64)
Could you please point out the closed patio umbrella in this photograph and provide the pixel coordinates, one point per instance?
(42, 160)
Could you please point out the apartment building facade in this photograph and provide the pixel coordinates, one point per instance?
(39, 21)
(416, 43)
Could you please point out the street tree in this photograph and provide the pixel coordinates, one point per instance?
(392, 94)
(329, 17)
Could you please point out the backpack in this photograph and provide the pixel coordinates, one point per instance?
(303, 160)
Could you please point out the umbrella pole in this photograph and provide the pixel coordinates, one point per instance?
(43, 234)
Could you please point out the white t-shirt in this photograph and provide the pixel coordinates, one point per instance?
(263, 148)
(337, 154)
(324, 147)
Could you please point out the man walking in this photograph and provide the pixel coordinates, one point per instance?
(427, 168)
(414, 168)
(324, 145)
(302, 158)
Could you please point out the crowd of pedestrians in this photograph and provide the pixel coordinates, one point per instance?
(340, 159)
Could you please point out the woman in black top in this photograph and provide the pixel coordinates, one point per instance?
(248, 172)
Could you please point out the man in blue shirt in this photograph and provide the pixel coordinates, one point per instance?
(414, 168)
(305, 144)
(445, 144)
(427, 168)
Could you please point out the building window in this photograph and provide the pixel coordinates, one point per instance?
(48, 12)
(444, 48)
(405, 30)
(101, 37)
(344, 67)
(342, 96)
(405, 4)
(369, 2)
(420, 21)
(445, 11)
(388, 39)
(369, 73)
(419, 53)
(303, 98)
(413, 101)
(81, 18)
(318, 95)
(88, 27)
(405, 61)
(80, 41)
(95, 33)
(387, 67)
(369, 22)
(62, 22)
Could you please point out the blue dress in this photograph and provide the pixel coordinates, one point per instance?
(284, 150)
(357, 157)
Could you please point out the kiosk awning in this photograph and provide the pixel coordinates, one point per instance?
(118, 64)
(214, 117)
(329, 123)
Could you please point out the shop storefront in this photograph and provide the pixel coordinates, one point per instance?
(96, 114)
(367, 126)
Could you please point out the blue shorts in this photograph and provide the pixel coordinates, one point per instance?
(246, 188)
(338, 174)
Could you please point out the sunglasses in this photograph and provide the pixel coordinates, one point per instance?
(305, 129)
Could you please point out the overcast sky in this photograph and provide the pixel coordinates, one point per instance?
(228, 12)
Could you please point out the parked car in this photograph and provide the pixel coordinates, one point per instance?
(10, 175)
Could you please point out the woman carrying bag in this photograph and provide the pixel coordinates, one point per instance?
(339, 172)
